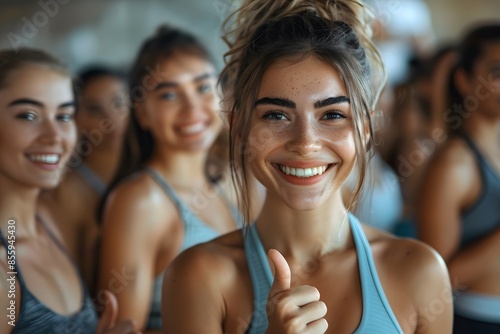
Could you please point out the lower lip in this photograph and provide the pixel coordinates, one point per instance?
(45, 166)
(304, 181)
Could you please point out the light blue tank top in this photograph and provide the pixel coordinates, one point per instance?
(377, 316)
(484, 216)
(195, 232)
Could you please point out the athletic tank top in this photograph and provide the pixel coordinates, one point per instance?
(92, 179)
(195, 232)
(484, 216)
(377, 316)
(36, 318)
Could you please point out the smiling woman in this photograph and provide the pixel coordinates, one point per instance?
(37, 134)
(298, 89)
(167, 196)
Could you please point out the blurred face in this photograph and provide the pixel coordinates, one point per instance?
(103, 110)
(484, 82)
(182, 109)
(301, 140)
(37, 131)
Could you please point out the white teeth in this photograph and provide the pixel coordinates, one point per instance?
(300, 172)
(188, 130)
(45, 158)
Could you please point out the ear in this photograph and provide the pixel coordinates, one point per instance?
(461, 81)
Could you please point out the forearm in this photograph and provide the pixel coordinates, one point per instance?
(475, 261)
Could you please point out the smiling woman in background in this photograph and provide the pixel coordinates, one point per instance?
(459, 204)
(37, 136)
(101, 121)
(168, 196)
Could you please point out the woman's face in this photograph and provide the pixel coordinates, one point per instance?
(482, 88)
(301, 142)
(37, 130)
(103, 111)
(181, 108)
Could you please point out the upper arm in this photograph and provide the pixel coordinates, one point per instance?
(440, 201)
(130, 242)
(433, 293)
(192, 300)
(425, 276)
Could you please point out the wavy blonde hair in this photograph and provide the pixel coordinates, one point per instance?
(260, 32)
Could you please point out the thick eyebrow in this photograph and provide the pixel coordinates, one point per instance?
(38, 103)
(173, 84)
(285, 103)
(203, 77)
(331, 100)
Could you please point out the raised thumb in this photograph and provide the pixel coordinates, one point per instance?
(110, 313)
(282, 273)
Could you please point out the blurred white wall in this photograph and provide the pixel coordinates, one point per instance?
(110, 31)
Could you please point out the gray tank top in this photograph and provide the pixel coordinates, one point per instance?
(484, 215)
(36, 318)
(195, 232)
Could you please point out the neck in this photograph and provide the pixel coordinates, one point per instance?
(485, 132)
(18, 203)
(104, 162)
(181, 169)
(302, 235)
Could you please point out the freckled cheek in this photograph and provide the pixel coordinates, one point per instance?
(261, 138)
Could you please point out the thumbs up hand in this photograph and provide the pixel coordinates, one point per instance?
(296, 310)
(107, 323)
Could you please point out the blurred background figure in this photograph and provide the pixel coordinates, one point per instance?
(101, 118)
(172, 190)
(459, 203)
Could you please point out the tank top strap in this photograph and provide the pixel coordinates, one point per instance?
(483, 163)
(54, 239)
(165, 187)
(376, 307)
(261, 277)
(16, 267)
(94, 181)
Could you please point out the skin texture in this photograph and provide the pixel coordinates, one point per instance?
(453, 182)
(101, 122)
(312, 253)
(142, 230)
(42, 126)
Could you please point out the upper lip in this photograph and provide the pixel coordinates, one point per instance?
(304, 164)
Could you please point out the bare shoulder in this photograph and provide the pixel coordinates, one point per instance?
(221, 258)
(202, 282)
(412, 265)
(139, 194)
(454, 159)
(403, 255)
(141, 211)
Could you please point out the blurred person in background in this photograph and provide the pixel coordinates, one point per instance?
(459, 204)
(172, 188)
(43, 291)
(101, 121)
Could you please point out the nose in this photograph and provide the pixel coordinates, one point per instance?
(192, 105)
(50, 132)
(304, 137)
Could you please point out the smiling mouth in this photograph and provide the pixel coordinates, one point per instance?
(50, 159)
(304, 172)
(192, 129)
